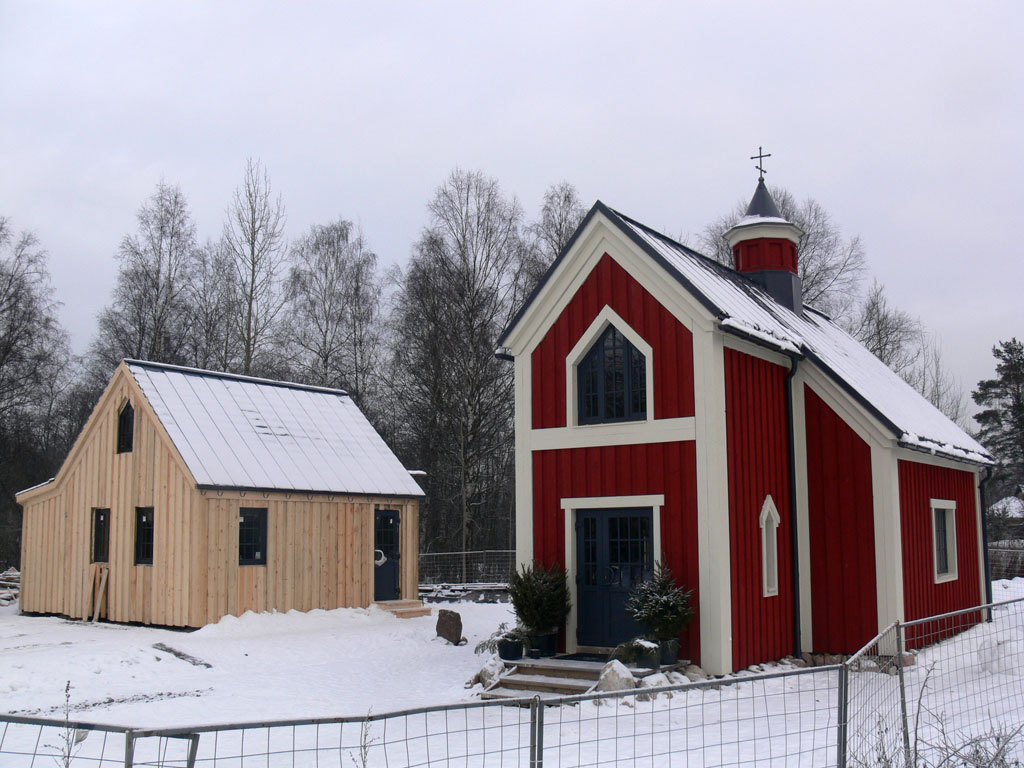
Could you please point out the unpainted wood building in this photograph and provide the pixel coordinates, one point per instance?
(190, 495)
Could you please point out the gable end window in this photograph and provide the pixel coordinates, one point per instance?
(143, 535)
(944, 539)
(769, 521)
(125, 428)
(612, 381)
(252, 536)
(101, 535)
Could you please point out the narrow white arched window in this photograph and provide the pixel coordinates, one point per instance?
(770, 547)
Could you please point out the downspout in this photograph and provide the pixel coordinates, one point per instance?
(794, 557)
(984, 537)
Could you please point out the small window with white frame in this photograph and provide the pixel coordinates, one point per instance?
(769, 522)
(944, 539)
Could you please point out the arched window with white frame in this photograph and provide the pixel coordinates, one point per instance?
(612, 381)
(769, 522)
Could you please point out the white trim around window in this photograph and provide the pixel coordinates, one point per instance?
(607, 316)
(943, 539)
(769, 522)
(570, 505)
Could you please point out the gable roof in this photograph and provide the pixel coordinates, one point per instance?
(744, 309)
(239, 432)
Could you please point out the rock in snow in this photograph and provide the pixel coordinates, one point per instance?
(449, 626)
(615, 677)
(491, 671)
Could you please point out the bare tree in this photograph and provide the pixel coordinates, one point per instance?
(892, 335)
(901, 341)
(148, 316)
(212, 294)
(831, 265)
(936, 382)
(334, 294)
(454, 299)
(34, 357)
(32, 342)
(560, 215)
(254, 237)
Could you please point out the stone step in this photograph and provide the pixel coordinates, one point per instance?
(545, 684)
(501, 692)
(553, 667)
(586, 670)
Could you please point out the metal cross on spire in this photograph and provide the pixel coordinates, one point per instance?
(760, 156)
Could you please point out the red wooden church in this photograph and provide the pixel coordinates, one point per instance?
(668, 407)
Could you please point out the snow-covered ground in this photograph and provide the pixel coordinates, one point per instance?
(269, 666)
(349, 662)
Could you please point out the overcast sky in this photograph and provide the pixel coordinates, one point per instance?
(902, 119)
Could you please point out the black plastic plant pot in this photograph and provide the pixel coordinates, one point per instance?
(546, 644)
(669, 651)
(649, 658)
(510, 649)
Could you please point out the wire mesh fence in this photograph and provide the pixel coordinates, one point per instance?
(946, 690)
(476, 567)
(27, 741)
(1006, 559)
(964, 689)
(779, 719)
(871, 709)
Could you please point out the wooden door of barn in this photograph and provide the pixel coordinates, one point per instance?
(387, 554)
(614, 553)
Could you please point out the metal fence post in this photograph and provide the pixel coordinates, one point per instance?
(905, 724)
(193, 750)
(129, 749)
(844, 708)
(536, 733)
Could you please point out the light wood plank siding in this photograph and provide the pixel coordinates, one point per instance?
(319, 547)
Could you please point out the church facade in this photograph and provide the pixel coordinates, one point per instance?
(668, 408)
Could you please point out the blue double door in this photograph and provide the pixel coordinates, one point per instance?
(614, 552)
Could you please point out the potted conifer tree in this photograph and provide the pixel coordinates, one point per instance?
(540, 597)
(663, 608)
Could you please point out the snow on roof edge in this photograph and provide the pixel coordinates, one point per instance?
(236, 376)
(33, 487)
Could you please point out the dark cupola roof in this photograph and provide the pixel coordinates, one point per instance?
(761, 204)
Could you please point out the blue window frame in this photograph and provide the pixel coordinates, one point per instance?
(612, 381)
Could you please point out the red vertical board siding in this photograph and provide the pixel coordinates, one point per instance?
(624, 470)
(841, 531)
(609, 284)
(919, 484)
(758, 461)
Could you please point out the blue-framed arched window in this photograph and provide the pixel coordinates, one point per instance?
(612, 381)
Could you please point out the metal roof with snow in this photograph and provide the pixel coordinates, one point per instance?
(744, 309)
(239, 432)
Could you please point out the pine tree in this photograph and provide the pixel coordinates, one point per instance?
(1001, 422)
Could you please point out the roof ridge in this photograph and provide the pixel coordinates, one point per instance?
(714, 263)
(234, 376)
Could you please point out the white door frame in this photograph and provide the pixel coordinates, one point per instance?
(570, 505)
